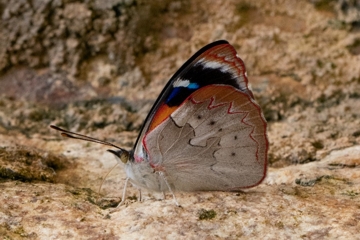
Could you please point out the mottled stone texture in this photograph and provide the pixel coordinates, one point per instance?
(96, 67)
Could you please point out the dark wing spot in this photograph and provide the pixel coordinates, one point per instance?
(199, 117)
(212, 122)
(233, 154)
(220, 129)
(235, 137)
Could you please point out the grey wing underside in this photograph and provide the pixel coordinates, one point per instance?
(207, 149)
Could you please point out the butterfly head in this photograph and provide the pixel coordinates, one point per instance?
(122, 155)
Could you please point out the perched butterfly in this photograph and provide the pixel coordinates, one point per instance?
(205, 131)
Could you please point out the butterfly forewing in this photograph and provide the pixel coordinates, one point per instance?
(216, 63)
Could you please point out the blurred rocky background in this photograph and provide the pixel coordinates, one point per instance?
(96, 67)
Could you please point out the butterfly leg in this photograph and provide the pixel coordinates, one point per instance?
(122, 197)
(168, 185)
(140, 196)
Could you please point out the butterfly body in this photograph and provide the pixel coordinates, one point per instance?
(143, 175)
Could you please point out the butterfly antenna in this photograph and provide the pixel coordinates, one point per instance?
(66, 133)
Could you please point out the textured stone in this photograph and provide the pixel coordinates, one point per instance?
(96, 68)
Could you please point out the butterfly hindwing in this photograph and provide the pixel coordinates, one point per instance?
(214, 141)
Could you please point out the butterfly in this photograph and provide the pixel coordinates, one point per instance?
(205, 131)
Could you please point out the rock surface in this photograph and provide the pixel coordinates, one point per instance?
(96, 67)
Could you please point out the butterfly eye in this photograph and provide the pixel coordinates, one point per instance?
(123, 155)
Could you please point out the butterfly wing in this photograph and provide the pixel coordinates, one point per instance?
(205, 132)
